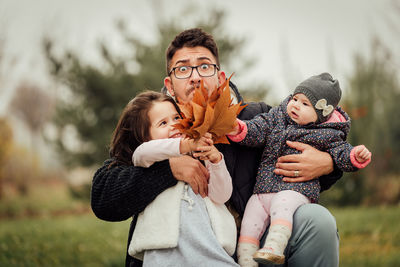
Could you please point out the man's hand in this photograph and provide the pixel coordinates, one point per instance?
(191, 171)
(308, 165)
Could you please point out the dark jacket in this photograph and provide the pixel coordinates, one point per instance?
(123, 191)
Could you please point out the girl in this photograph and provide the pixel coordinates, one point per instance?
(179, 228)
(309, 116)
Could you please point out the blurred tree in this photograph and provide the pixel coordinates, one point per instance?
(374, 91)
(372, 102)
(33, 106)
(93, 96)
(6, 138)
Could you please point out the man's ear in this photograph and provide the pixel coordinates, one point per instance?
(168, 85)
(221, 77)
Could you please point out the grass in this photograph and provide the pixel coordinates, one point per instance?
(81, 240)
(369, 236)
(49, 228)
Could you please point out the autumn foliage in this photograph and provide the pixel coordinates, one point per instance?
(214, 114)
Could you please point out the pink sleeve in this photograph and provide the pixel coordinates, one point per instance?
(242, 132)
(220, 183)
(355, 162)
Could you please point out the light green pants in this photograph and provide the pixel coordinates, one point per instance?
(314, 240)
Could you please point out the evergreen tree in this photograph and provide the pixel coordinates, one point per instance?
(95, 96)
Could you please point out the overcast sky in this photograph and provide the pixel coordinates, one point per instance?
(288, 38)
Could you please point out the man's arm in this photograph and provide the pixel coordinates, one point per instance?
(122, 191)
(310, 164)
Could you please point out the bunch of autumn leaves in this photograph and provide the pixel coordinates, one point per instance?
(213, 113)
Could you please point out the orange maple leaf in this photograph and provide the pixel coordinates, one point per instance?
(214, 114)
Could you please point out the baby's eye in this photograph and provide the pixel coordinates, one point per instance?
(177, 117)
(305, 104)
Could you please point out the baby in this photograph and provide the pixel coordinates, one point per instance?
(310, 116)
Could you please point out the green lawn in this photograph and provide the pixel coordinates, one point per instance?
(368, 237)
(63, 241)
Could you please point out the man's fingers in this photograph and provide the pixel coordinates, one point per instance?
(204, 174)
(286, 169)
(295, 180)
(202, 186)
(193, 184)
(297, 145)
(289, 158)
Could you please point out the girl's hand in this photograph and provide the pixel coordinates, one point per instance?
(362, 154)
(205, 149)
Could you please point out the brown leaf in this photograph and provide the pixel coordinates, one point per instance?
(215, 113)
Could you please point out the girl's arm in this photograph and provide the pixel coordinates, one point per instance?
(220, 183)
(153, 151)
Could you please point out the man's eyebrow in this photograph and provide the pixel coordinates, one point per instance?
(184, 61)
(181, 61)
(204, 58)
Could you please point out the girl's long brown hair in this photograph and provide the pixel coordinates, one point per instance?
(133, 127)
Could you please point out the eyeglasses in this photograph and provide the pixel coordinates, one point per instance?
(204, 70)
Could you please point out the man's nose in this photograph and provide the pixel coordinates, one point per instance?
(195, 77)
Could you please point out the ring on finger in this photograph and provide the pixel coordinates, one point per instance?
(296, 173)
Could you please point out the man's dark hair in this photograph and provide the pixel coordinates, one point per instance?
(191, 38)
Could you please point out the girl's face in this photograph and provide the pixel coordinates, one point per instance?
(162, 116)
(300, 110)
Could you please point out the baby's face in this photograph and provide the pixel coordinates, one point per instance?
(300, 110)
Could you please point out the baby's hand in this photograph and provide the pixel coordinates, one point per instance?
(235, 130)
(362, 153)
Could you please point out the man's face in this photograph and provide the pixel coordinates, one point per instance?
(192, 56)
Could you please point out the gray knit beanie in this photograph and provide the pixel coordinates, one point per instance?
(323, 92)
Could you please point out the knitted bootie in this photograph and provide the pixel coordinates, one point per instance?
(275, 244)
(245, 253)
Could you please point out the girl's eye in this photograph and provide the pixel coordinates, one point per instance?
(177, 118)
(163, 123)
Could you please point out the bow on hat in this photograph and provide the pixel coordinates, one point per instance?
(322, 105)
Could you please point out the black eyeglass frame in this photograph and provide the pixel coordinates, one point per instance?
(195, 67)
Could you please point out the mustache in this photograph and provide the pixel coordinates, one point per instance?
(193, 87)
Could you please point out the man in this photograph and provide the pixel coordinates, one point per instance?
(122, 191)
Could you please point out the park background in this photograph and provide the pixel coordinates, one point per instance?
(67, 68)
